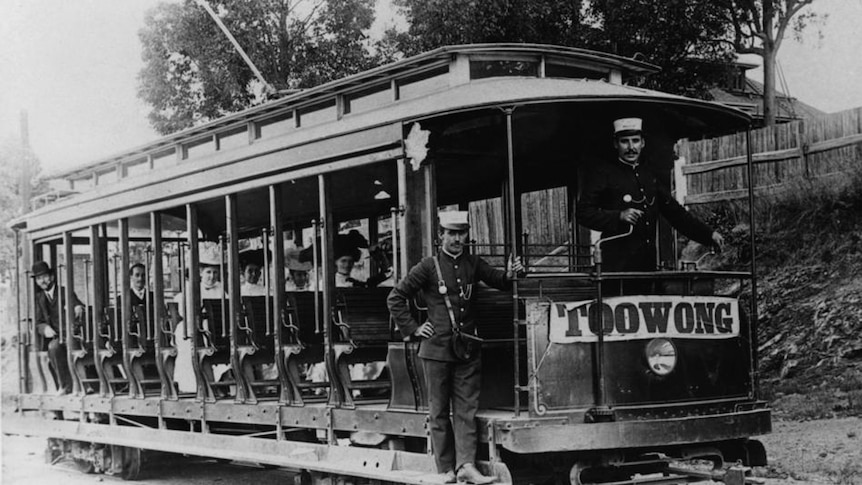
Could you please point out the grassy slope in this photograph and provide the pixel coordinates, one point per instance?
(810, 294)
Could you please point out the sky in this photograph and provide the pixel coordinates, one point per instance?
(72, 66)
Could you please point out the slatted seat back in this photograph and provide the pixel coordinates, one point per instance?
(493, 312)
(366, 314)
(301, 310)
(254, 318)
(215, 323)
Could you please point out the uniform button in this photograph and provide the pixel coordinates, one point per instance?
(462, 309)
(458, 280)
(456, 266)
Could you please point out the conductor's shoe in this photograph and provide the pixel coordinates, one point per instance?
(449, 477)
(469, 474)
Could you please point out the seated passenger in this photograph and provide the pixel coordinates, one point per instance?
(251, 262)
(210, 289)
(298, 271)
(347, 253)
(138, 280)
(48, 321)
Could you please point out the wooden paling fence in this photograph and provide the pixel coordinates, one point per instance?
(823, 148)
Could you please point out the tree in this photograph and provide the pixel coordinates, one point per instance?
(447, 22)
(680, 36)
(759, 27)
(192, 74)
(12, 158)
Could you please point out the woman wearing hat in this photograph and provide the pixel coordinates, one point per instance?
(210, 289)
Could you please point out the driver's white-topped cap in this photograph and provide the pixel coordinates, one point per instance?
(455, 220)
(627, 125)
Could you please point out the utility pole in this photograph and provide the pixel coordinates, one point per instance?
(24, 184)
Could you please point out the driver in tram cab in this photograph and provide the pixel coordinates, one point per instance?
(622, 193)
(48, 322)
(455, 380)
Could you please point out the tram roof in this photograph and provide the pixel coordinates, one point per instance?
(400, 69)
(597, 100)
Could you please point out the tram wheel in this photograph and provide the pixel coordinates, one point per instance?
(53, 450)
(576, 472)
(85, 466)
(126, 462)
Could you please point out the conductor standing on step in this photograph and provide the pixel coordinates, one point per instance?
(625, 193)
(447, 282)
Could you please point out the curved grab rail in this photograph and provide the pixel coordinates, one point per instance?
(597, 254)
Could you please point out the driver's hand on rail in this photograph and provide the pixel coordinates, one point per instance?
(49, 332)
(514, 266)
(426, 330)
(718, 241)
(631, 216)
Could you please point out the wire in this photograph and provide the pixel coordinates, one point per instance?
(206, 6)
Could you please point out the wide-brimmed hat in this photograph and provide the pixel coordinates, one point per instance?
(349, 244)
(251, 256)
(40, 268)
(209, 254)
(292, 260)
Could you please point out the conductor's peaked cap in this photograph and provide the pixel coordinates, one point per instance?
(455, 220)
(624, 126)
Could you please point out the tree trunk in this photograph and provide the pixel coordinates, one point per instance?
(769, 54)
(769, 86)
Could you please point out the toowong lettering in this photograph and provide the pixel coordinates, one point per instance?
(642, 317)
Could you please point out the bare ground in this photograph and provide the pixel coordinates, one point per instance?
(825, 451)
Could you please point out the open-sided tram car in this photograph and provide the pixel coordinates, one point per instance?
(500, 130)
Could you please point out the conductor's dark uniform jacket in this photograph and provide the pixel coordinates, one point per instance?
(448, 378)
(607, 189)
(463, 272)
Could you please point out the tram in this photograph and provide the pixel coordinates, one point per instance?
(500, 130)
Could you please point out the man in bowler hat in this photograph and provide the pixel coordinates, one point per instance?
(49, 306)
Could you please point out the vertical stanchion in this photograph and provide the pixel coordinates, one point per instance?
(267, 284)
(221, 272)
(512, 243)
(752, 326)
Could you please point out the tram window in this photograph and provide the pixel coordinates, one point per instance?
(317, 114)
(424, 83)
(370, 98)
(573, 72)
(82, 183)
(136, 167)
(277, 125)
(232, 139)
(106, 176)
(546, 235)
(487, 230)
(164, 159)
(199, 148)
(503, 68)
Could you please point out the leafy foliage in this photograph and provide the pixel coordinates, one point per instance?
(192, 73)
(680, 36)
(12, 158)
(759, 27)
(447, 22)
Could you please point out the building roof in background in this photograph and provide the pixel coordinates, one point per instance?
(747, 95)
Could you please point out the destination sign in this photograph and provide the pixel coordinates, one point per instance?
(643, 317)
